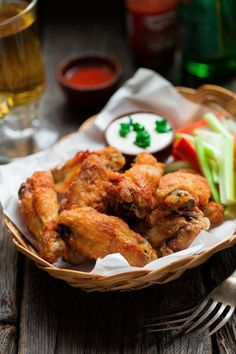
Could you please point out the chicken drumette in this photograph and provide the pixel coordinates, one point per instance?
(96, 235)
(183, 190)
(170, 232)
(183, 211)
(135, 193)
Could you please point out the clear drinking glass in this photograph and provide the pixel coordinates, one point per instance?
(22, 77)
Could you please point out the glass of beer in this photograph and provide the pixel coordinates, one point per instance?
(22, 77)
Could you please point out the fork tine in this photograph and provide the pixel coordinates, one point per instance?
(170, 321)
(172, 315)
(200, 308)
(201, 318)
(224, 321)
(214, 318)
(164, 329)
(165, 323)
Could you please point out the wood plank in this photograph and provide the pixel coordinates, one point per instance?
(55, 317)
(7, 339)
(38, 315)
(8, 276)
(219, 267)
(226, 337)
(172, 297)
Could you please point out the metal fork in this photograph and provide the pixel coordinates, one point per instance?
(214, 312)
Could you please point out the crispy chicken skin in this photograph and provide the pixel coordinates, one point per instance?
(96, 235)
(92, 185)
(65, 174)
(170, 232)
(113, 158)
(182, 190)
(39, 207)
(135, 194)
(214, 212)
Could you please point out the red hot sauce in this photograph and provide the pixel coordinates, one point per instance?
(89, 75)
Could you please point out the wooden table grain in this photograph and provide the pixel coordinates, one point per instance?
(43, 315)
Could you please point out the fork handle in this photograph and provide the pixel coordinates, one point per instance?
(228, 286)
(233, 275)
(230, 282)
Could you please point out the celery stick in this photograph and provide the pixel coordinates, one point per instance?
(206, 168)
(213, 143)
(215, 124)
(214, 170)
(176, 165)
(210, 150)
(229, 124)
(226, 172)
(184, 135)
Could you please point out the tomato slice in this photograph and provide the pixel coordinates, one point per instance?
(185, 150)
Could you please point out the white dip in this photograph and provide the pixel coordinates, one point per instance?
(158, 141)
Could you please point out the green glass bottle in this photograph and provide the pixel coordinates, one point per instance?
(209, 37)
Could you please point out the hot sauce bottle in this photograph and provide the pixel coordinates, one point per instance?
(152, 31)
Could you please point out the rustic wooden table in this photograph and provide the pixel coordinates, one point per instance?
(42, 315)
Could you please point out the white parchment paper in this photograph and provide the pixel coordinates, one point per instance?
(147, 89)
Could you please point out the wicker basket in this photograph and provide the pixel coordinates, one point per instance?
(218, 99)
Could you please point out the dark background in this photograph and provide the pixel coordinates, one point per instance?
(80, 8)
(69, 27)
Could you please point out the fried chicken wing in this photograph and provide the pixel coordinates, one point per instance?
(182, 190)
(91, 186)
(112, 157)
(39, 207)
(135, 194)
(170, 232)
(65, 174)
(28, 212)
(96, 235)
(214, 212)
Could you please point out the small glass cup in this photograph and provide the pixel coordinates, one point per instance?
(22, 78)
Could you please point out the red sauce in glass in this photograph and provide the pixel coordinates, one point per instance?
(91, 75)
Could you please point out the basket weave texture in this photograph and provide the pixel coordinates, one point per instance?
(215, 97)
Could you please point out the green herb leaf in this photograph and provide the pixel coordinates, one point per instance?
(162, 126)
(124, 129)
(142, 139)
(137, 127)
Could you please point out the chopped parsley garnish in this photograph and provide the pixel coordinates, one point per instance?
(125, 128)
(138, 127)
(142, 138)
(162, 126)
